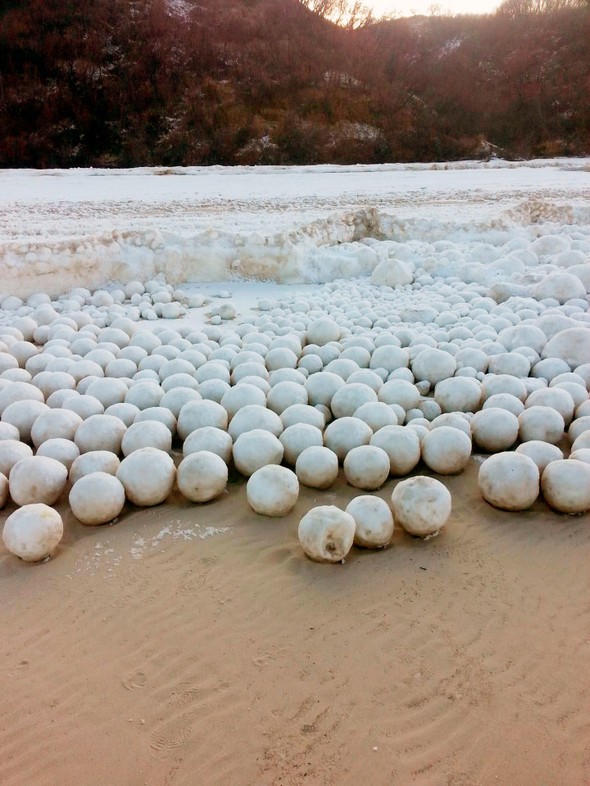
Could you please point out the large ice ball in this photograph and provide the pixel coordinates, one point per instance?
(148, 476)
(33, 532)
(273, 490)
(374, 521)
(202, 476)
(446, 450)
(509, 481)
(37, 479)
(566, 486)
(366, 467)
(326, 533)
(317, 467)
(421, 505)
(97, 498)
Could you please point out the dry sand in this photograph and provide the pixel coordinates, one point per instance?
(151, 653)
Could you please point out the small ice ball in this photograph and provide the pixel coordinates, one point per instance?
(366, 467)
(55, 423)
(8, 431)
(542, 423)
(446, 450)
(322, 331)
(100, 432)
(566, 486)
(350, 397)
(37, 479)
(542, 453)
(402, 445)
(64, 450)
(509, 481)
(148, 476)
(211, 439)
(317, 467)
(255, 449)
(202, 476)
(458, 394)
(326, 533)
(255, 417)
(12, 451)
(33, 532)
(580, 443)
(284, 395)
(302, 413)
(94, 461)
(421, 505)
(374, 521)
(344, 434)
(433, 365)
(297, 438)
(145, 434)
(583, 454)
(376, 415)
(273, 490)
(97, 498)
(322, 386)
(494, 429)
(241, 395)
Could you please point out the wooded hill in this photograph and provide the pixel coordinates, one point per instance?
(170, 82)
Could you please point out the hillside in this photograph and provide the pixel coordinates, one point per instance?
(136, 82)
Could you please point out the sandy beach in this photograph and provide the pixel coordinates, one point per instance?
(195, 644)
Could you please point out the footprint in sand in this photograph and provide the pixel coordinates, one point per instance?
(134, 681)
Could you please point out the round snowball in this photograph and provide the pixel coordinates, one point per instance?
(255, 417)
(255, 449)
(100, 432)
(146, 434)
(202, 476)
(297, 438)
(273, 490)
(421, 505)
(317, 467)
(402, 446)
(322, 331)
(94, 461)
(374, 521)
(210, 439)
(97, 498)
(366, 467)
(494, 429)
(566, 486)
(541, 423)
(446, 450)
(326, 533)
(63, 450)
(509, 481)
(433, 365)
(55, 423)
(542, 453)
(33, 532)
(344, 434)
(11, 452)
(37, 479)
(148, 476)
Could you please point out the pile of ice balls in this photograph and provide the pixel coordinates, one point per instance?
(373, 381)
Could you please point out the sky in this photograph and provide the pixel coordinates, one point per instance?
(410, 7)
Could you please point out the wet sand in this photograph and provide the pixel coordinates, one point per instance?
(157, 651)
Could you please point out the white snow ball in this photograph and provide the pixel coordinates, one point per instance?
(344, 434)
(97, 498)
(84, 406)
(342, 367)
(284, 395)
(322, 331)
(350, 397)
(504, 401)
(390, 357)
(580, 443)
(272, 490)
(566, 486)
(321, 387)
(149, 433)
(297, 438)
(471, 357)
(400, 392)
(8, 431)
(302, 413)
(509, 481)
(494, 429)
(94, 461)
(393, 273)
(374, 521)
(148, 476)
(446, 450)
(49, 382)
(280, 357)
(421, 505)
(159, 414)
(175, 399)
(213, 389)
(63, 450)
(99, 432)
(376, 414)
(22, 415)
(579, 426)
(366, 467)
(522, 336)
(196, 414)
(578, 393)
(571, 345)
(503, 383)
(210, 439)
(559, 286)
(456, 420)
(108, 391)
(549, 368)
(242, 395)
(542, 423)
(37, 479)
(202, 476)
(144, 394)
(125, 412)
(326, 533)
(433, 365)
(583, 454)
(402, 446)
(255, 417)
(317, 467)
(33, 532)
(512, 363)
(255, 449)
(556, 398)
(542, 453)
(458, 394)
(55, 423)
(18, 392)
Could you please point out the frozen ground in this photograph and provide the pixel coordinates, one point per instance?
(61, 228)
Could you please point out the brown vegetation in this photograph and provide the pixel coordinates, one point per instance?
(137, 82)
